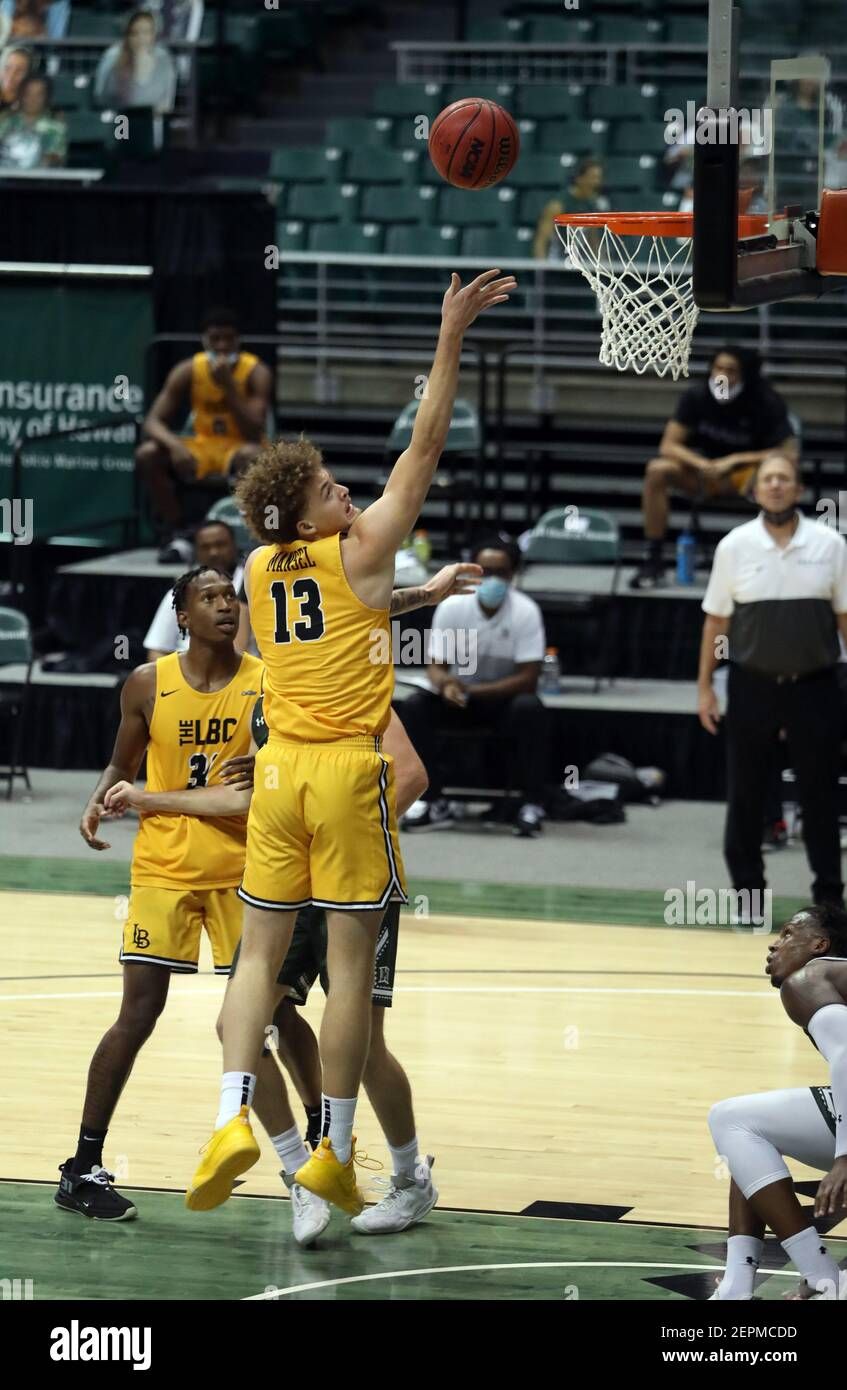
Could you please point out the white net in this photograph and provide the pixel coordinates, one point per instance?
(644, 295)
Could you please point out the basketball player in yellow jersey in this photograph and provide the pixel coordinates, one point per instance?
(190, 713)
(322, 826)
(228, 393)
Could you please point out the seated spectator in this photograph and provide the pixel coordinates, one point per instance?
(32, 137)
(721, 430)
(35, 19)
(494, 689)
(214, 544)
(583, 194)
(229, 394)
(138, 71)
(16, 64)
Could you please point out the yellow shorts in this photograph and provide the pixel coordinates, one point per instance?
(322, 828)
(212, 453)
(164, 926)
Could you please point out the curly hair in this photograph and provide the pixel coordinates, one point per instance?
(183, 584)
(272, 490)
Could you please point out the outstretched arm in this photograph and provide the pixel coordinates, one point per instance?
(199, 801)
(377, 534)
(452, 579)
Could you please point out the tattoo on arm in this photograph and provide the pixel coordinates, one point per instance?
(404, 600)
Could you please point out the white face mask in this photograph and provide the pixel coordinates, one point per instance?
(723, 393)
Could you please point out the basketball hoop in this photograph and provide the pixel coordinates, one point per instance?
(639, 266)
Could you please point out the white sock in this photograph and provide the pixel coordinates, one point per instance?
(338, 1124)
(291, 1151)
(237, 1089)
(743, 1254)
(808, 1253)
(403, 1160)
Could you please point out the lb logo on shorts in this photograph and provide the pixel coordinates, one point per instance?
(140, 937)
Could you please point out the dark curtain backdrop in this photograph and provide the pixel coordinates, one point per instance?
(205, 248)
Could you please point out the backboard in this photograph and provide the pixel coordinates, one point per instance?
(771, 138)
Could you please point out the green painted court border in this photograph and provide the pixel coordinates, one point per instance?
(636, 907)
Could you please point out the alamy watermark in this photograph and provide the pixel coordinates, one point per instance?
(722, 907)
(16, 519)
(720, 126)
(454, 647)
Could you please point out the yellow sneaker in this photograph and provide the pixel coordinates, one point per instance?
(324, 1175)
(231, 1150)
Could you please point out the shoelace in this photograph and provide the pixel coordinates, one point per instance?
(373, 1165)
(99, 1176)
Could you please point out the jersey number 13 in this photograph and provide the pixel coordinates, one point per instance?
(309, 626)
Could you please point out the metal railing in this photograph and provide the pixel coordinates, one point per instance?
(324, 297)
(585, 63)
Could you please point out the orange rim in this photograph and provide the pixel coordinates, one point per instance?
(678, 224)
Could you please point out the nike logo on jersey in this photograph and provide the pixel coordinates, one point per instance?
(163, 693)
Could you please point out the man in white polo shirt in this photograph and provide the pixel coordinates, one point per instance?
(492, 644)
(776, 601)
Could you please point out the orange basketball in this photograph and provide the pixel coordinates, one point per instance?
(473, 143)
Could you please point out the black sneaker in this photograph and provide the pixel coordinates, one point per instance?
(650, 575)
(91, 1194)
(529, 821)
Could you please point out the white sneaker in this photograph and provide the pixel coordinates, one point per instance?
(407, 1201)
(309, 1214)
(423, 814)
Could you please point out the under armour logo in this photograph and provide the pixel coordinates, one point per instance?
(140, 937)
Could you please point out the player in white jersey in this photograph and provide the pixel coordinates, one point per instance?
(755, 1133)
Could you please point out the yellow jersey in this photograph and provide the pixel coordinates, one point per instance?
(328, 668)
(211, 414)
(191, 734)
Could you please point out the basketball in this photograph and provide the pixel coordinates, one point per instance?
(473, 143)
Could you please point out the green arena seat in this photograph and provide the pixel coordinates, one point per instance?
(503, 93)
(407, 99)
(351, 132)
(291, 235)
(639, 137)
(389, 203)
(625, 100)
(628, 171)
(618, 29)
(322, 202)
(493, 244)
(491, 207)
(548, 103)
(496, 30)
(306, 165)
(557, 30)
(421, 241)
(687, 29)
(537, 171)
(389, 166)
(573, 137)
(71, 92)
(336, 238)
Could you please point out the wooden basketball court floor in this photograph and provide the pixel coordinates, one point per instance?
(562, 1076)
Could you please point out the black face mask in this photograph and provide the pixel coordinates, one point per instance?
(779, 518)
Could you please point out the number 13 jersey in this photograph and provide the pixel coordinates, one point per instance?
(327, 656)
(191, 734)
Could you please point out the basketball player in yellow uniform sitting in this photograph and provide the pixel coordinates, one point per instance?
(190, 713)
(322, 826)
(228, 393)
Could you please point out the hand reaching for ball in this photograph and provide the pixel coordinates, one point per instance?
(461, 306)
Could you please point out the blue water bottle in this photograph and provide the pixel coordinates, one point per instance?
(686, 548)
